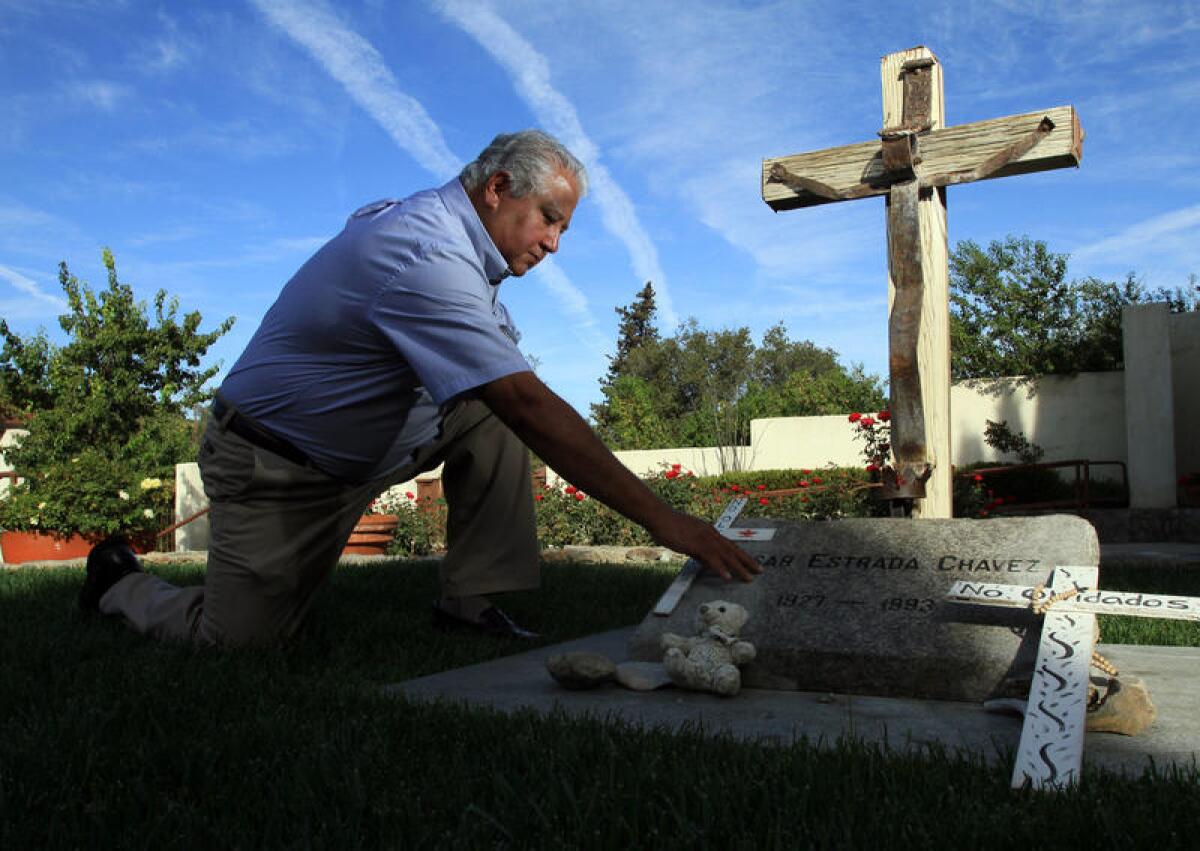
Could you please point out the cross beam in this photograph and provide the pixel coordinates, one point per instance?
(912, 164)
(1050, 754)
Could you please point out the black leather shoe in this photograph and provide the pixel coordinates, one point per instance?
(491, 622)
(108, 563)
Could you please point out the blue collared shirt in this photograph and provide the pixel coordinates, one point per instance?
(392, 318)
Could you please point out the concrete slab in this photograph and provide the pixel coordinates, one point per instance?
(781, 717)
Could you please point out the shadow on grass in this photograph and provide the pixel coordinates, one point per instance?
(107, 739)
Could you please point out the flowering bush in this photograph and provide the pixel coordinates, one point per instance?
(876, 434)
(110, 421)
(421, 522)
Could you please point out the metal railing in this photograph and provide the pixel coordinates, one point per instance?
(1083, 497)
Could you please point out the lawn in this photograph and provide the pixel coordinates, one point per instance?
(109, 740)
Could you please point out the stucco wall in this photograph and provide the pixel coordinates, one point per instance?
(1185, 376)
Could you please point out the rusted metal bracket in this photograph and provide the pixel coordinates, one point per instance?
(904, 481)
(995, 162)
(797, 183)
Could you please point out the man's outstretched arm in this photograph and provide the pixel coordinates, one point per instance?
(553, 429)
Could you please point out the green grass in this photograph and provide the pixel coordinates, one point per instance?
(110, 740)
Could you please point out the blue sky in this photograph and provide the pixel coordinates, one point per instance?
(213, 146)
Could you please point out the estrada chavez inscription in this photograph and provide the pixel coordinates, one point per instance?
(857, 606)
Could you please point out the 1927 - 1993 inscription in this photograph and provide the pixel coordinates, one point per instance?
(888, 604)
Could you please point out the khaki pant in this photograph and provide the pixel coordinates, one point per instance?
(278, 529)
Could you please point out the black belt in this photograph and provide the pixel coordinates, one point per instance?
(252, 432)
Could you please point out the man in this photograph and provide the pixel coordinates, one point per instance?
(387, 354)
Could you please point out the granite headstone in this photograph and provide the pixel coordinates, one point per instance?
(857, 606)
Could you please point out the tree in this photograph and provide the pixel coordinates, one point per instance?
(636, 328)
(701, 388)
(24, 373)
(1013, 312)
(110, 409)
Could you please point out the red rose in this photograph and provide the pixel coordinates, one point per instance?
(884, 416)
(804, 499)
(764, 501)
(734, 488)
(855, 417)
(672, 473)
(872, 468)
(804, 483)
(409, 494)
(571, 489)
(539, 497)
(977, 477)
(579, 496)
(817, 480)
(676, 466)
(866, 422)
(762, 487)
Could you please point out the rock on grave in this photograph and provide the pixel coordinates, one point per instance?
(857, 606)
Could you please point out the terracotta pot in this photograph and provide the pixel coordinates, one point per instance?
(20, 547)
(371, 535)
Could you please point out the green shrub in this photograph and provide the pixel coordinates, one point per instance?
(111, 411)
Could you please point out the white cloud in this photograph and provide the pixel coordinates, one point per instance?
(1179, 229)
(102, 94)
(572, 300)
(530, 73)
(30, 287)
(357, 65)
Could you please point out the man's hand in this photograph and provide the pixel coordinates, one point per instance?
(692, 536)
(552, 429)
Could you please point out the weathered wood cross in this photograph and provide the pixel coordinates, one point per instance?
(1050, 753)
(912, 165)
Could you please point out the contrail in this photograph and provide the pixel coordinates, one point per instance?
(530, 73)
(30, 287)
(358, 66)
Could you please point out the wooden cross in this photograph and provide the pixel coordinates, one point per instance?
(1050, 753)
(913, 164)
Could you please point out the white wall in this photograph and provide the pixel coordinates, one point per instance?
(1185, 376)
(8, 439)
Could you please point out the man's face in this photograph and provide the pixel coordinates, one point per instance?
(526, 229)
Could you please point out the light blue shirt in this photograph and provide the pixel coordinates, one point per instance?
(391, 319)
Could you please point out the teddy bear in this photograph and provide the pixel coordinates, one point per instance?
(709, 660)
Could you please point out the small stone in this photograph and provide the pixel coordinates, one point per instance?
(643, 554)
(1126, 709)
(580, 669)
(642, 676)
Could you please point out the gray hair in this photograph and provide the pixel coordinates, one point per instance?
(529, 157)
